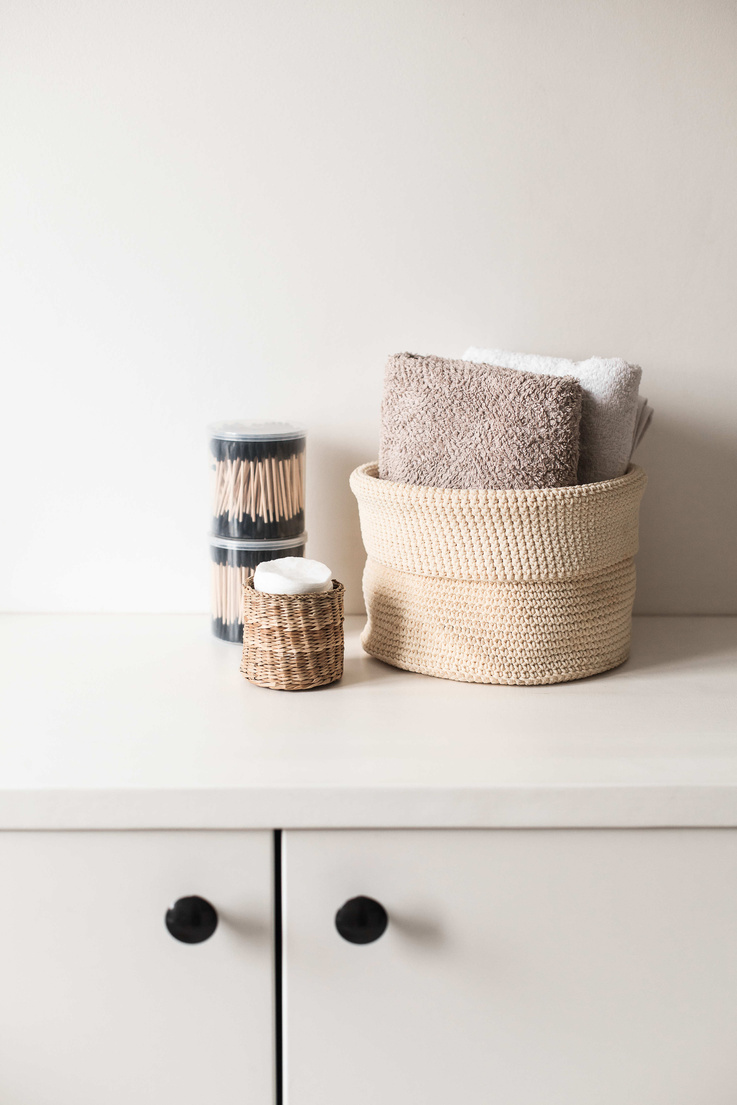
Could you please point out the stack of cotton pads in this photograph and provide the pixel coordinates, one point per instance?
(292, 575)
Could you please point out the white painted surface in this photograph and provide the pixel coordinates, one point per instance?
(224, 209)
(146, 722)
(99, 1003)
(529, 968)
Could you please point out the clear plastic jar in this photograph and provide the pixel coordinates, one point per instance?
(259, 479)
(233, 561)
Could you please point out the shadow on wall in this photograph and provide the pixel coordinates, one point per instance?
(687, 562)
(705, 640)
(332, 523)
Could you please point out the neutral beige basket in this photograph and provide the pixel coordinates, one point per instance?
(517, 587)
(292, 642)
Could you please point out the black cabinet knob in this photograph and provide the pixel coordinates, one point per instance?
(191, 920)
(361, 920)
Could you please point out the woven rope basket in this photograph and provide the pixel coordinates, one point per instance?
(292, 642)
(516, 587)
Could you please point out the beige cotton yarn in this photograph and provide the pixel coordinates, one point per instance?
(514, 587)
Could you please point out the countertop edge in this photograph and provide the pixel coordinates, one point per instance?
(623, 807)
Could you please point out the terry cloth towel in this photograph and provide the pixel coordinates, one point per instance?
(453, 424)
(609, 410)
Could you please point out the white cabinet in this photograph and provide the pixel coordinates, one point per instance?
(99, 1004)
(531, 957)
(529, 967)
(525, 967)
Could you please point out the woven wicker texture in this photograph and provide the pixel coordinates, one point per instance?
(292, 642)
(514, 587)
(546, 534)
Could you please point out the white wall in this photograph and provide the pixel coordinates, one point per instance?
(238, 209)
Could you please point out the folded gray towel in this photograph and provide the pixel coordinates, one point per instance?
(609, 410)
(453, 424)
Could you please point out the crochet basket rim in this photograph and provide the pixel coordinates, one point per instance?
(538, 534)
(366, 478)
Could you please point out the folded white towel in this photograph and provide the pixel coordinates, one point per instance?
(610, 427)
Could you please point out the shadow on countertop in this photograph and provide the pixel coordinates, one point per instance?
(662, 643)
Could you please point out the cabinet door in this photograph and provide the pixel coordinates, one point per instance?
(99, 1004)
(522, 967)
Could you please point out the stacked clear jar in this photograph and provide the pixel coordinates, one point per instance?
(258, 510)
(259, 480)
(233, 562)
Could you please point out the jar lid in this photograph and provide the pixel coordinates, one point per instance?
(256, 431)
(253, 544)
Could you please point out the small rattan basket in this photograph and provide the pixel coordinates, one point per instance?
(292, 642)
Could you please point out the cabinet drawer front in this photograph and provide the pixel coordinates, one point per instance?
(100, 1004)
(529, 967)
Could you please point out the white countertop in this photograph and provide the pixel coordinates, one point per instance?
(144, 721)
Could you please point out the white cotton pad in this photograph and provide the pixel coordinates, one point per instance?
(292, 575)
